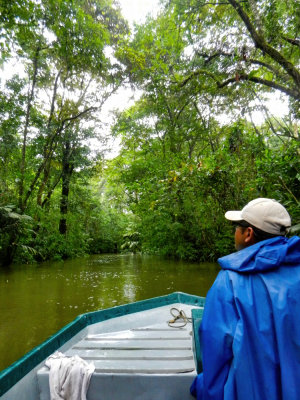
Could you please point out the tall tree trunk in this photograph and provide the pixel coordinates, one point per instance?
(25, 132)
(67, 170)
(48, 143)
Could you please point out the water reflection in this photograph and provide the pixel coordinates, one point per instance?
(37, 300)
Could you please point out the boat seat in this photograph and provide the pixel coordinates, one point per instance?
(129, 386)
(154, 362)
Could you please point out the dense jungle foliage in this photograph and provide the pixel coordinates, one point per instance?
(190, 147)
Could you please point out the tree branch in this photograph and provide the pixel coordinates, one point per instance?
(209, 58)
(49, 194)
(79, 115)
(196, 73)
(294, 42)
(264, 64)
(53, 99)
(244, 77)
(290, 192)
(264, 46)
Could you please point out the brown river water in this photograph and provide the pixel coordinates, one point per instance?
(37, 300)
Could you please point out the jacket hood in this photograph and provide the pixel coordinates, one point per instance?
(264, 256)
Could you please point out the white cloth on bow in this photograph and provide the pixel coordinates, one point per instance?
(69, 377)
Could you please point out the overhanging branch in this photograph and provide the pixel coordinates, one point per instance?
(196, 73)
(244, 77)
(294, 42)
(266, 65)
(265, 47)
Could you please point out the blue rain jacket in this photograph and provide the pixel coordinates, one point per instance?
(250, 331)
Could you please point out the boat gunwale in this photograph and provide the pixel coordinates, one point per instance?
(16, 371)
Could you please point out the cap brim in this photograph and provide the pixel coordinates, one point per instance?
(233, 215)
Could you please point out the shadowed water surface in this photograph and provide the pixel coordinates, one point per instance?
(37, 300)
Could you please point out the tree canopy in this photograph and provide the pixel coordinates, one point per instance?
(190, 147)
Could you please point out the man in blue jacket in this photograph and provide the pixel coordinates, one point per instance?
(250, 331)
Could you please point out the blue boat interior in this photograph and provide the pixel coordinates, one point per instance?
(132, 347)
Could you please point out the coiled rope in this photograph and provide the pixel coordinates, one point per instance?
(178, 316)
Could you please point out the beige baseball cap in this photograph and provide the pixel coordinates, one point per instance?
(265, 214)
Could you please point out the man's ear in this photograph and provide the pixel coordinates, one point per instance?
(250, 238)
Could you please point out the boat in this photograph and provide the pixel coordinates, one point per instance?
(141, 351)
